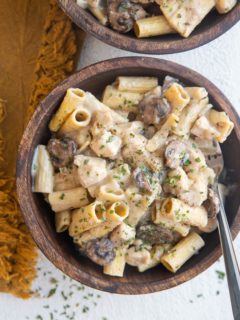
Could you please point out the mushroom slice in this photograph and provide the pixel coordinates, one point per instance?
(176, 154)
(123, 13)
(100, 251)
(145, 179)
(212, 204)
(185, 15)
(156, 234)
(61, 151)
(153, 108)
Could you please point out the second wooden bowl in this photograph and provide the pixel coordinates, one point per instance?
(59, 248)
(213, 26)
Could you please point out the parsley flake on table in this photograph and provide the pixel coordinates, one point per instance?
(220, 274)
(51, 292)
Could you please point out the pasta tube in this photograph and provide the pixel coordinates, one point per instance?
(166, 222)
(42, 171)
(123, 100)
(181, 252)
(71, 101)
(87, 217)
(197, 93)
(117, 266)
(117, 212)
(160, 137)
(224, 6)
(222, 123)
(114, 216)
(68, 199)
(136, 84)
(179, 211)
(153, 26)
(62, 220)
(177, 96)
(188, 116)
(111, 192)
(77, 120)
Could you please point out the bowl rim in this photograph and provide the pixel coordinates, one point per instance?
(23, 180)
(90, 25)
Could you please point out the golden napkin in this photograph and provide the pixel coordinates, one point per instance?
(38, 50)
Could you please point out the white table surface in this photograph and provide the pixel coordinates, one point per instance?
(203, 298)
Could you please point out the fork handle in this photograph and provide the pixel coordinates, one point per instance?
(231, 265)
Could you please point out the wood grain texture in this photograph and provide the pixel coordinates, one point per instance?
(21, 25)
(59, 248)
(213, 26)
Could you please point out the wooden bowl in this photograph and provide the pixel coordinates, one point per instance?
(59, 248)
(210, 28)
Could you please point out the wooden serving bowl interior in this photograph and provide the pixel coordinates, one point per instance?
(59, 248)
(209, 29)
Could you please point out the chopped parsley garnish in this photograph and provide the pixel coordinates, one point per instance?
(194, 145)
(122, 170)
(187, 162)
(220, 274)
(110, 139)
(62, 196)
(172, 181)
(51, 292)
(53, 280)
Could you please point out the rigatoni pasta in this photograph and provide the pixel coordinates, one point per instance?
(177, 96)
(87, 217)
(71, 101)
(133, 190)
(224, 6)
(62, 220)
(122, 100)
(183, 251)
(68, 199)
(152, 26)
(79, 119)
(42, 171)
(136, 84)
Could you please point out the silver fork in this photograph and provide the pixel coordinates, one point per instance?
(215, 161)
